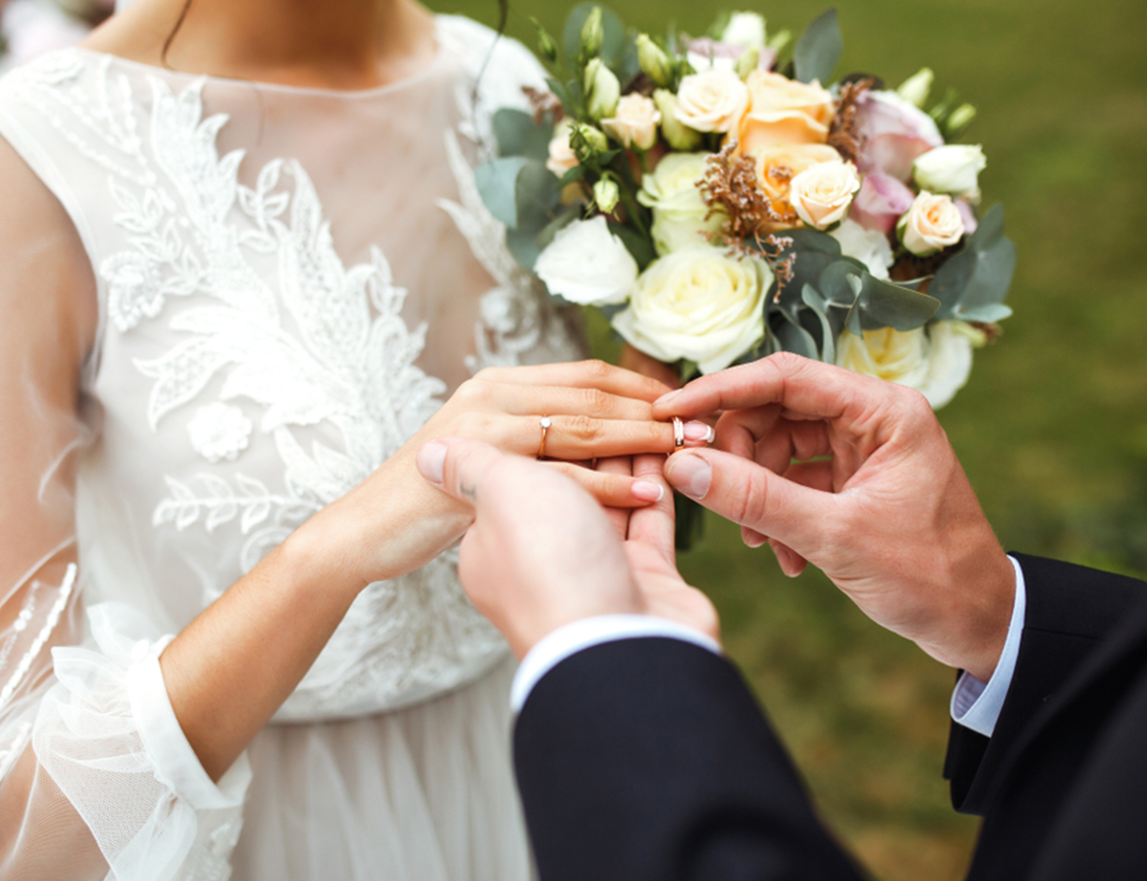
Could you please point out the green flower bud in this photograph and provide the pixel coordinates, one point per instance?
(547, 48)
(592, 34)
(749, 61)
(602, 90)
(960, 119)
(779, 40)
(587, 142)
(915, 89)
(653, 61)
(606, 195)
(677, 134)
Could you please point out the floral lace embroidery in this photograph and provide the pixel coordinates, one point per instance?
(219, 432)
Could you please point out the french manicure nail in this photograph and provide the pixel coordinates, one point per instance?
(431, 461)
(699, 432)
(690, 474)
(647, 492)
(668, 396)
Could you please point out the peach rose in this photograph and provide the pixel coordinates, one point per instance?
(782, 111)
(822, 193)
(931, 224)
(777, 166)
(712, 101)
(561, 155)
(634, 123)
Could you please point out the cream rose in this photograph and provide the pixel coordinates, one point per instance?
(697, 303)
(587, 264)
(777, 166)
(782, 111)
(634, 123)
(869, 246)
(954, 169)
(678, 209)
(822, 193)
(935, 360)
(712, 101)
(931, 224)
(562, 157)
(745, 29)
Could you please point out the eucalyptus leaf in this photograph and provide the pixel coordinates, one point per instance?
(818, 50)
(572, 176)
(816, 306)
(519, 135)
(987, 314)
(562, 94)
(812, 240)
(639, 246)
(496, 181)
(551, 229)
(883, 304)
(841, 281)
(537, 195)
(980, 275)
(523, 244)
(794, 338)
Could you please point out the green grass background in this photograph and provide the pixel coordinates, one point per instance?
(1051, 428)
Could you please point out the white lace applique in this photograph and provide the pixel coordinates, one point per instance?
(517, 319)
(219, 432)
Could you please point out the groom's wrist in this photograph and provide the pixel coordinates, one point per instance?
(585, 633)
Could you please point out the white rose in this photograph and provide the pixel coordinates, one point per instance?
(634, 123)
(697, 303)
(587, 264)
(954, 169)
(931, 224)
(822, 193)
(712, 101)
(562, 157)
(745, 29)
(869, 246)
(936, 360)
(678, 209)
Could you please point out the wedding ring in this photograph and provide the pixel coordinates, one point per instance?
(545, 422)
(678, 434)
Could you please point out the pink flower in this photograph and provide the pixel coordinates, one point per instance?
(705, 52)
(880, 202)
(966, 212)
(894, 133)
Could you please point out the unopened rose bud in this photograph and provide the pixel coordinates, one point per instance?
(678, 135)
(547, 48)
(592, 34)
(602, 90)
(606, 195)
(749, 61)
(960, 119)
(653, 61)
(587, 142)
(915, 89)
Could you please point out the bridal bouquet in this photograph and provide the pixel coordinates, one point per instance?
(720, 202)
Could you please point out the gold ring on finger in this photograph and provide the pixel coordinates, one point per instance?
(678, 434)
(545, 422)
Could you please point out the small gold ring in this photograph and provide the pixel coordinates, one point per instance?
(678, 434)
(546, 423)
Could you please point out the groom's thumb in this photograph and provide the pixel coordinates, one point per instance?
(751, 496)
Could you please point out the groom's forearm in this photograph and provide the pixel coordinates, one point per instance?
(649, 759)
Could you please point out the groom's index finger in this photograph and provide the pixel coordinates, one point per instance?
(801, 385)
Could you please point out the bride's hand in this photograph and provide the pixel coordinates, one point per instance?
(395, 522)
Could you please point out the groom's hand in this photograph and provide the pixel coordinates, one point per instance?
(542, 553)
(856, 476)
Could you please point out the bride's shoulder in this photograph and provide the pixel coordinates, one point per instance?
(499, 63)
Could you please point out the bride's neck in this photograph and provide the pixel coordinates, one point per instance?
(335, 44)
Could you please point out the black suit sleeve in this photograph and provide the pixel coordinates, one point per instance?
(650, 759)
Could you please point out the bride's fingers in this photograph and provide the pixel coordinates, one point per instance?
(612, 490)
(574, 438)
(581, 374)
(550, 400)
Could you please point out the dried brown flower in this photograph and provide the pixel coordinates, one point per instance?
(730, 186)
(544, 102)
(844, 132)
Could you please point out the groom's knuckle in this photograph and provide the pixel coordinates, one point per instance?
(751, 499)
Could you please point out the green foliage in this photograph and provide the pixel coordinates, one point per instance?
(971, 285)
(519, 135)
(818, 51)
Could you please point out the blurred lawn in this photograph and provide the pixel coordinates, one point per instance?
(1051, 429)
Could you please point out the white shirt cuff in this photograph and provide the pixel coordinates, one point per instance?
(975, 704)
(566, 641)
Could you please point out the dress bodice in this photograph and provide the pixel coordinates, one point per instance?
(290, 280)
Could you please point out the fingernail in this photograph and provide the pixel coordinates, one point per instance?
(690, 474)
(668, 396)
(431, 461)
(699, 432)
(648, 492)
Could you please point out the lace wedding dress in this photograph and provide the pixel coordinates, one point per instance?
(289, 281)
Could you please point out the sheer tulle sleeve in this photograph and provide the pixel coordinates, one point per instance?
(95, 773)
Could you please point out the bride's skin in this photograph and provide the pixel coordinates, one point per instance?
(236, 663)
